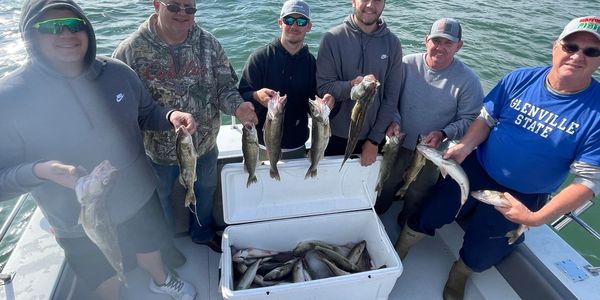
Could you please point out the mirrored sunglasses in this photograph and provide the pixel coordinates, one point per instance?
(573, 48)
(174, 8)
(289, 20)
(55, 26)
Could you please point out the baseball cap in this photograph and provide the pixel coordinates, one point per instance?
(589, 24)
(447, 28)
(295, 7)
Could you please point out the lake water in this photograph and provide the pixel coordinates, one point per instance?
(499, 36)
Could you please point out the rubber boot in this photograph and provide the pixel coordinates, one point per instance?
(457, 279)
(407, 239)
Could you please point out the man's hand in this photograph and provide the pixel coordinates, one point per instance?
(369, 154)
(59, 173)
(179, 118)
(263, 95)
(329, 100)
(393, 129)
(516, 212)
(356, 80)
(246, 114)
(433, 139)
(458, 152)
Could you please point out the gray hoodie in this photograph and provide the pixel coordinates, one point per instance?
(80, 121)
(347, 52)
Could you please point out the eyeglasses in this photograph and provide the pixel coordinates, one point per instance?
(55, 26)
(573, 48)
(174, 8)
(289, 20)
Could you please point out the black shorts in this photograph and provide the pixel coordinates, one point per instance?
(144, 232)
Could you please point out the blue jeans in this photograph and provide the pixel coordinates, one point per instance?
(204, 188)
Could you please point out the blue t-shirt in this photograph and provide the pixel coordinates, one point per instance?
(539, 134)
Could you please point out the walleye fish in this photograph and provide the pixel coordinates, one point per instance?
(363, 95)
(410, 174)
(273, 131)
(250, 151)
(496, 198)
(390, 153)
(91, 191)
(320, 134)
(186, 157)
(240, 255)
(248, 277)
(448, 166)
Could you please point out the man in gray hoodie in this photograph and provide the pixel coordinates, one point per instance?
(361, 45)
(67, 110)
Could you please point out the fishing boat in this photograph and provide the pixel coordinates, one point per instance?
(542, 267)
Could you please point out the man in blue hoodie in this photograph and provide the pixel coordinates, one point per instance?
(67, 110)
(361, 45)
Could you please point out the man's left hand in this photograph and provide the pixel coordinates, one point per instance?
(246, 114)
(329, 100)
(179, 118)
(516, 212)
(369, 154)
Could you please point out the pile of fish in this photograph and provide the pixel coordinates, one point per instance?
(363, 95)
(496, 198)
(186, 157)
(273, 131)
(309, 260)
(320, 134)
(91, 193)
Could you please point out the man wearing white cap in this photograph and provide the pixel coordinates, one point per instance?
(536, 126)
(440, 98)
(286, 66)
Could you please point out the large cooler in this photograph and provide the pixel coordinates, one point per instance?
(335, 206)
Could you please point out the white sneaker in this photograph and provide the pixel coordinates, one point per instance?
(175, 287)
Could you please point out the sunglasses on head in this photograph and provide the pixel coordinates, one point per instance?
(55, 26)
(289, 20)
(174, 8)
(572, 48)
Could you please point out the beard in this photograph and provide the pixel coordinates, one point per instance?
(367, 20)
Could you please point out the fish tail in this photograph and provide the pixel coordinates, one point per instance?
(190, 197)
(312, 172)
(512, 236)
(274, 173)
(251, 179)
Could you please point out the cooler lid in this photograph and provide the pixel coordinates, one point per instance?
(331, 191)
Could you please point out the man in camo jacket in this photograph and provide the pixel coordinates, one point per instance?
(185, 67)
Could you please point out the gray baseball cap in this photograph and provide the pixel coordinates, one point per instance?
(589, 24)
(446, 28)
(295, 7)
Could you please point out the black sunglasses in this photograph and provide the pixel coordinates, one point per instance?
(289, 20)
(176, 8)
(55, 26)
(572, 48)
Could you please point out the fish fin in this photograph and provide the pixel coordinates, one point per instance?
(80, 220)
(190, 197)
(513, 236)
(251, 179)
(310, 173)
(443, 172)
(180, 179)
(274, 173)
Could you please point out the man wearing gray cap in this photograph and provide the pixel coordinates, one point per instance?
(361, 45)
(440, 98)
(537, 125)
(286, 66)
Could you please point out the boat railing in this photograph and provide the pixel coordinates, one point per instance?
(11, 217)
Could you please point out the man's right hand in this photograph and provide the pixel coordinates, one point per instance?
(393, 129)
(356, 80)
(263, 95)
(458, 152)
(59, 173)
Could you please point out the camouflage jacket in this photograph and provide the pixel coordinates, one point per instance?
(194, 77)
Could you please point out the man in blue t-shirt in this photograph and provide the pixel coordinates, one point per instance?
(536, 126)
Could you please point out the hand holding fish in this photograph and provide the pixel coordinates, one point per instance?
(263, 95)
(179, 118)
(329, 100)
(356, 81)
(246, 114)
(59, 173)
(433, 139)
(517, 212)
(368, 154)
(393, 129)
(458, 152)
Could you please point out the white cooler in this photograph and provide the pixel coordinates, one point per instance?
(335, 207)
